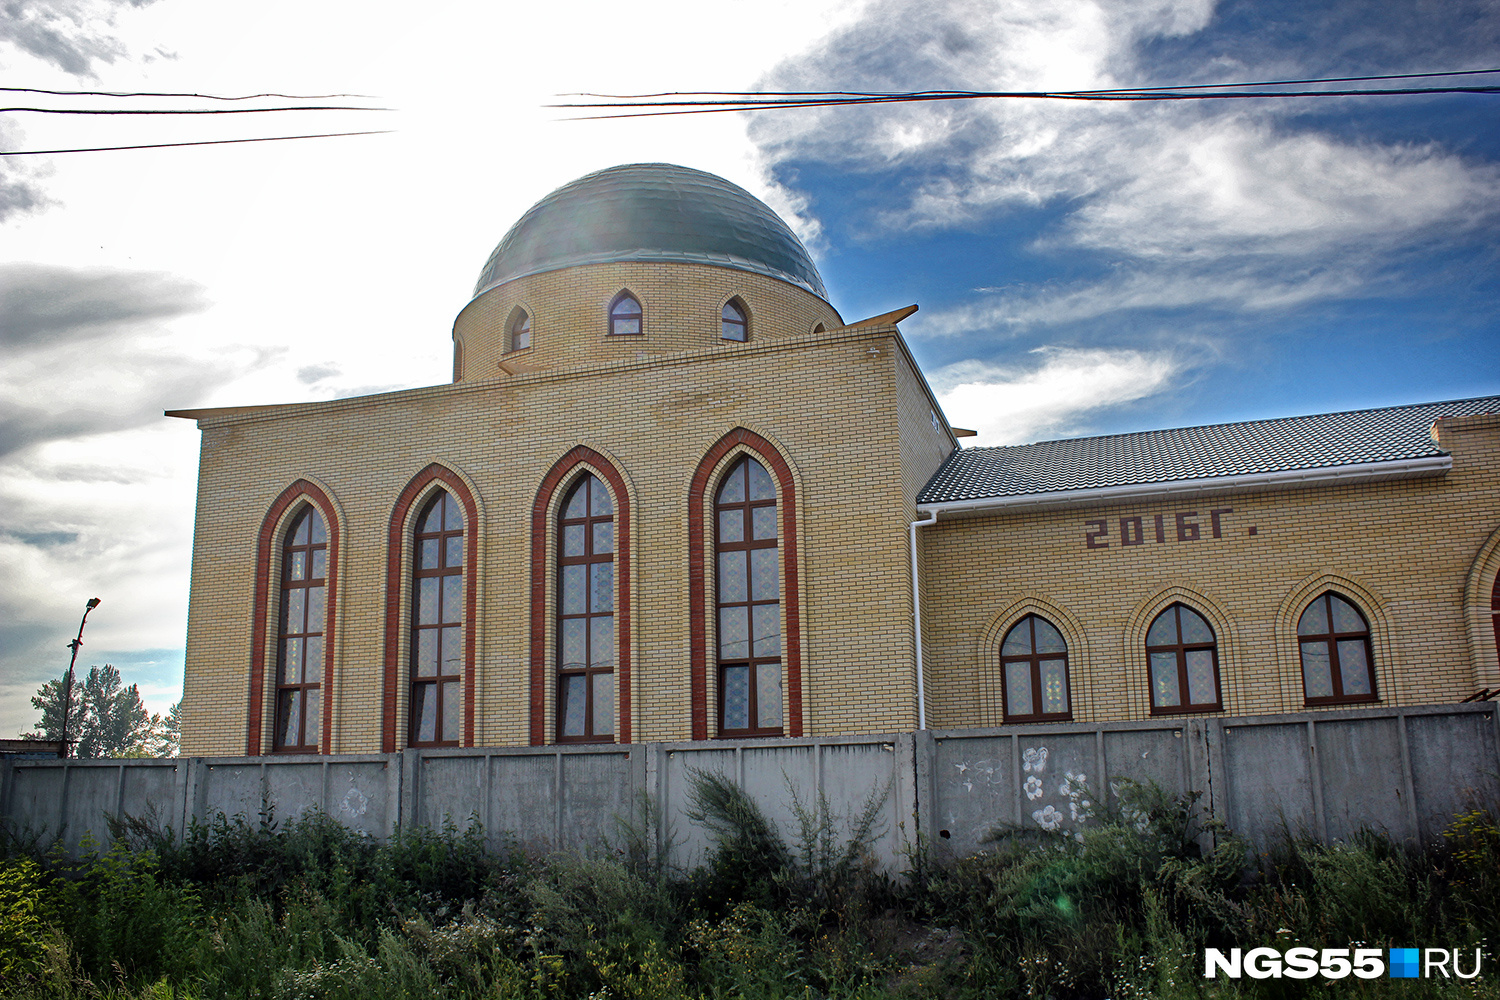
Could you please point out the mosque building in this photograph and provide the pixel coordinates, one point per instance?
(671, 494)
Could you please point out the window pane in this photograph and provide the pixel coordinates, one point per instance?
(426, 656)
(453, 598)
(1018, 639)
(767, 634)
(1048, 640)
(453, 515)
(731, 313)
(733, 490)
(599, 503)
(733, 638)
(768, 696)
(602, 587)
(763, 522)
(424, 712)
(451, 710)
(452, 662)
(760, 481)
(601, 641)
(736, 697)
(625, 306)
(312, 660)
(578, 500)
(573, 535)
(1018, 700)
(732, 331)
(317, 533)
(455, 554)
(731, 525)
(574, 654)
(427, 553)
(575, 598)
(604, 704)
(574, 696)
(1345, 618)
(522, 340)
(297, 567)
(296, 612)
(1194, 628)
(1200, 671)
(626, 327)
(427, 601)
(764, 581)
(1163, 631)
(604, 538)
(319, 564)
(317, 609)
(312, 717)
(288, 719)
(1164, 680)
(1314, 620)
(291, 661)
(432, 518)
(1054, 686)
(731, 577)
(1317, 679)
(1354, 666)
(300, 533)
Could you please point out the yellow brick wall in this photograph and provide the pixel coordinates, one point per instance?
(1406, 551)
(827, 400)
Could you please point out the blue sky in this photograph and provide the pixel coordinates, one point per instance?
(1080, 269)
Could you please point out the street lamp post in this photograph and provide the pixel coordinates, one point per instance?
(68, 683)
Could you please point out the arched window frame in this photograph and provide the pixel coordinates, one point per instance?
(518, 329)
(748, 536)
(441, 544)
(734, 320)
(625, 309)
(545, 508)
(1180, 649)
(584, 525)
(1036, 662)
(400, 566)
(701, 488)
(267, 610)
(1334, 642)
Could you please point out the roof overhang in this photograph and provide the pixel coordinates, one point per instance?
(1367, 472)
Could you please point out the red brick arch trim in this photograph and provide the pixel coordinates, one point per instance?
(697, 614)
(541, 552)
(304, 491)
(397, 587)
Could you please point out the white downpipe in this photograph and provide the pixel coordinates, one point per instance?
(916, 611)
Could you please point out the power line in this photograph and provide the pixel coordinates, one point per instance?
(170, 145)
(154, 93)
(186, 111)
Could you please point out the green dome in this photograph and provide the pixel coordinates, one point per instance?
(651, 212)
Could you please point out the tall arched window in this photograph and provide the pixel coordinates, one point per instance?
(748, 600)
(586, 614)
(624, 315)
(437, 624)
(520, 330)
(1034, 671)
(299, 642)
(1335, 642)
(734, 324)
(1184, 660)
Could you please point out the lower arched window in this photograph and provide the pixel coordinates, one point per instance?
(586, 614)
(1184, 662)
(1034, 672)
(748, 582)
(300, 633)
(437, 629)
(1334, 639)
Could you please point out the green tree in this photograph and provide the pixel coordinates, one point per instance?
(106, 719)
(49, 700)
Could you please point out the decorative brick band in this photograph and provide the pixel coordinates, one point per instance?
(697, 577)
(554, 478)
(396, 591)
(310, 493)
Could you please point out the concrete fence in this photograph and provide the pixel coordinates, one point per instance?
(1404, 771)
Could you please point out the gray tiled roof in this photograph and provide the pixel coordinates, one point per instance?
(1256, 446)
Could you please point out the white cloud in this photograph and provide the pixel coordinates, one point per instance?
(1012, 405)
